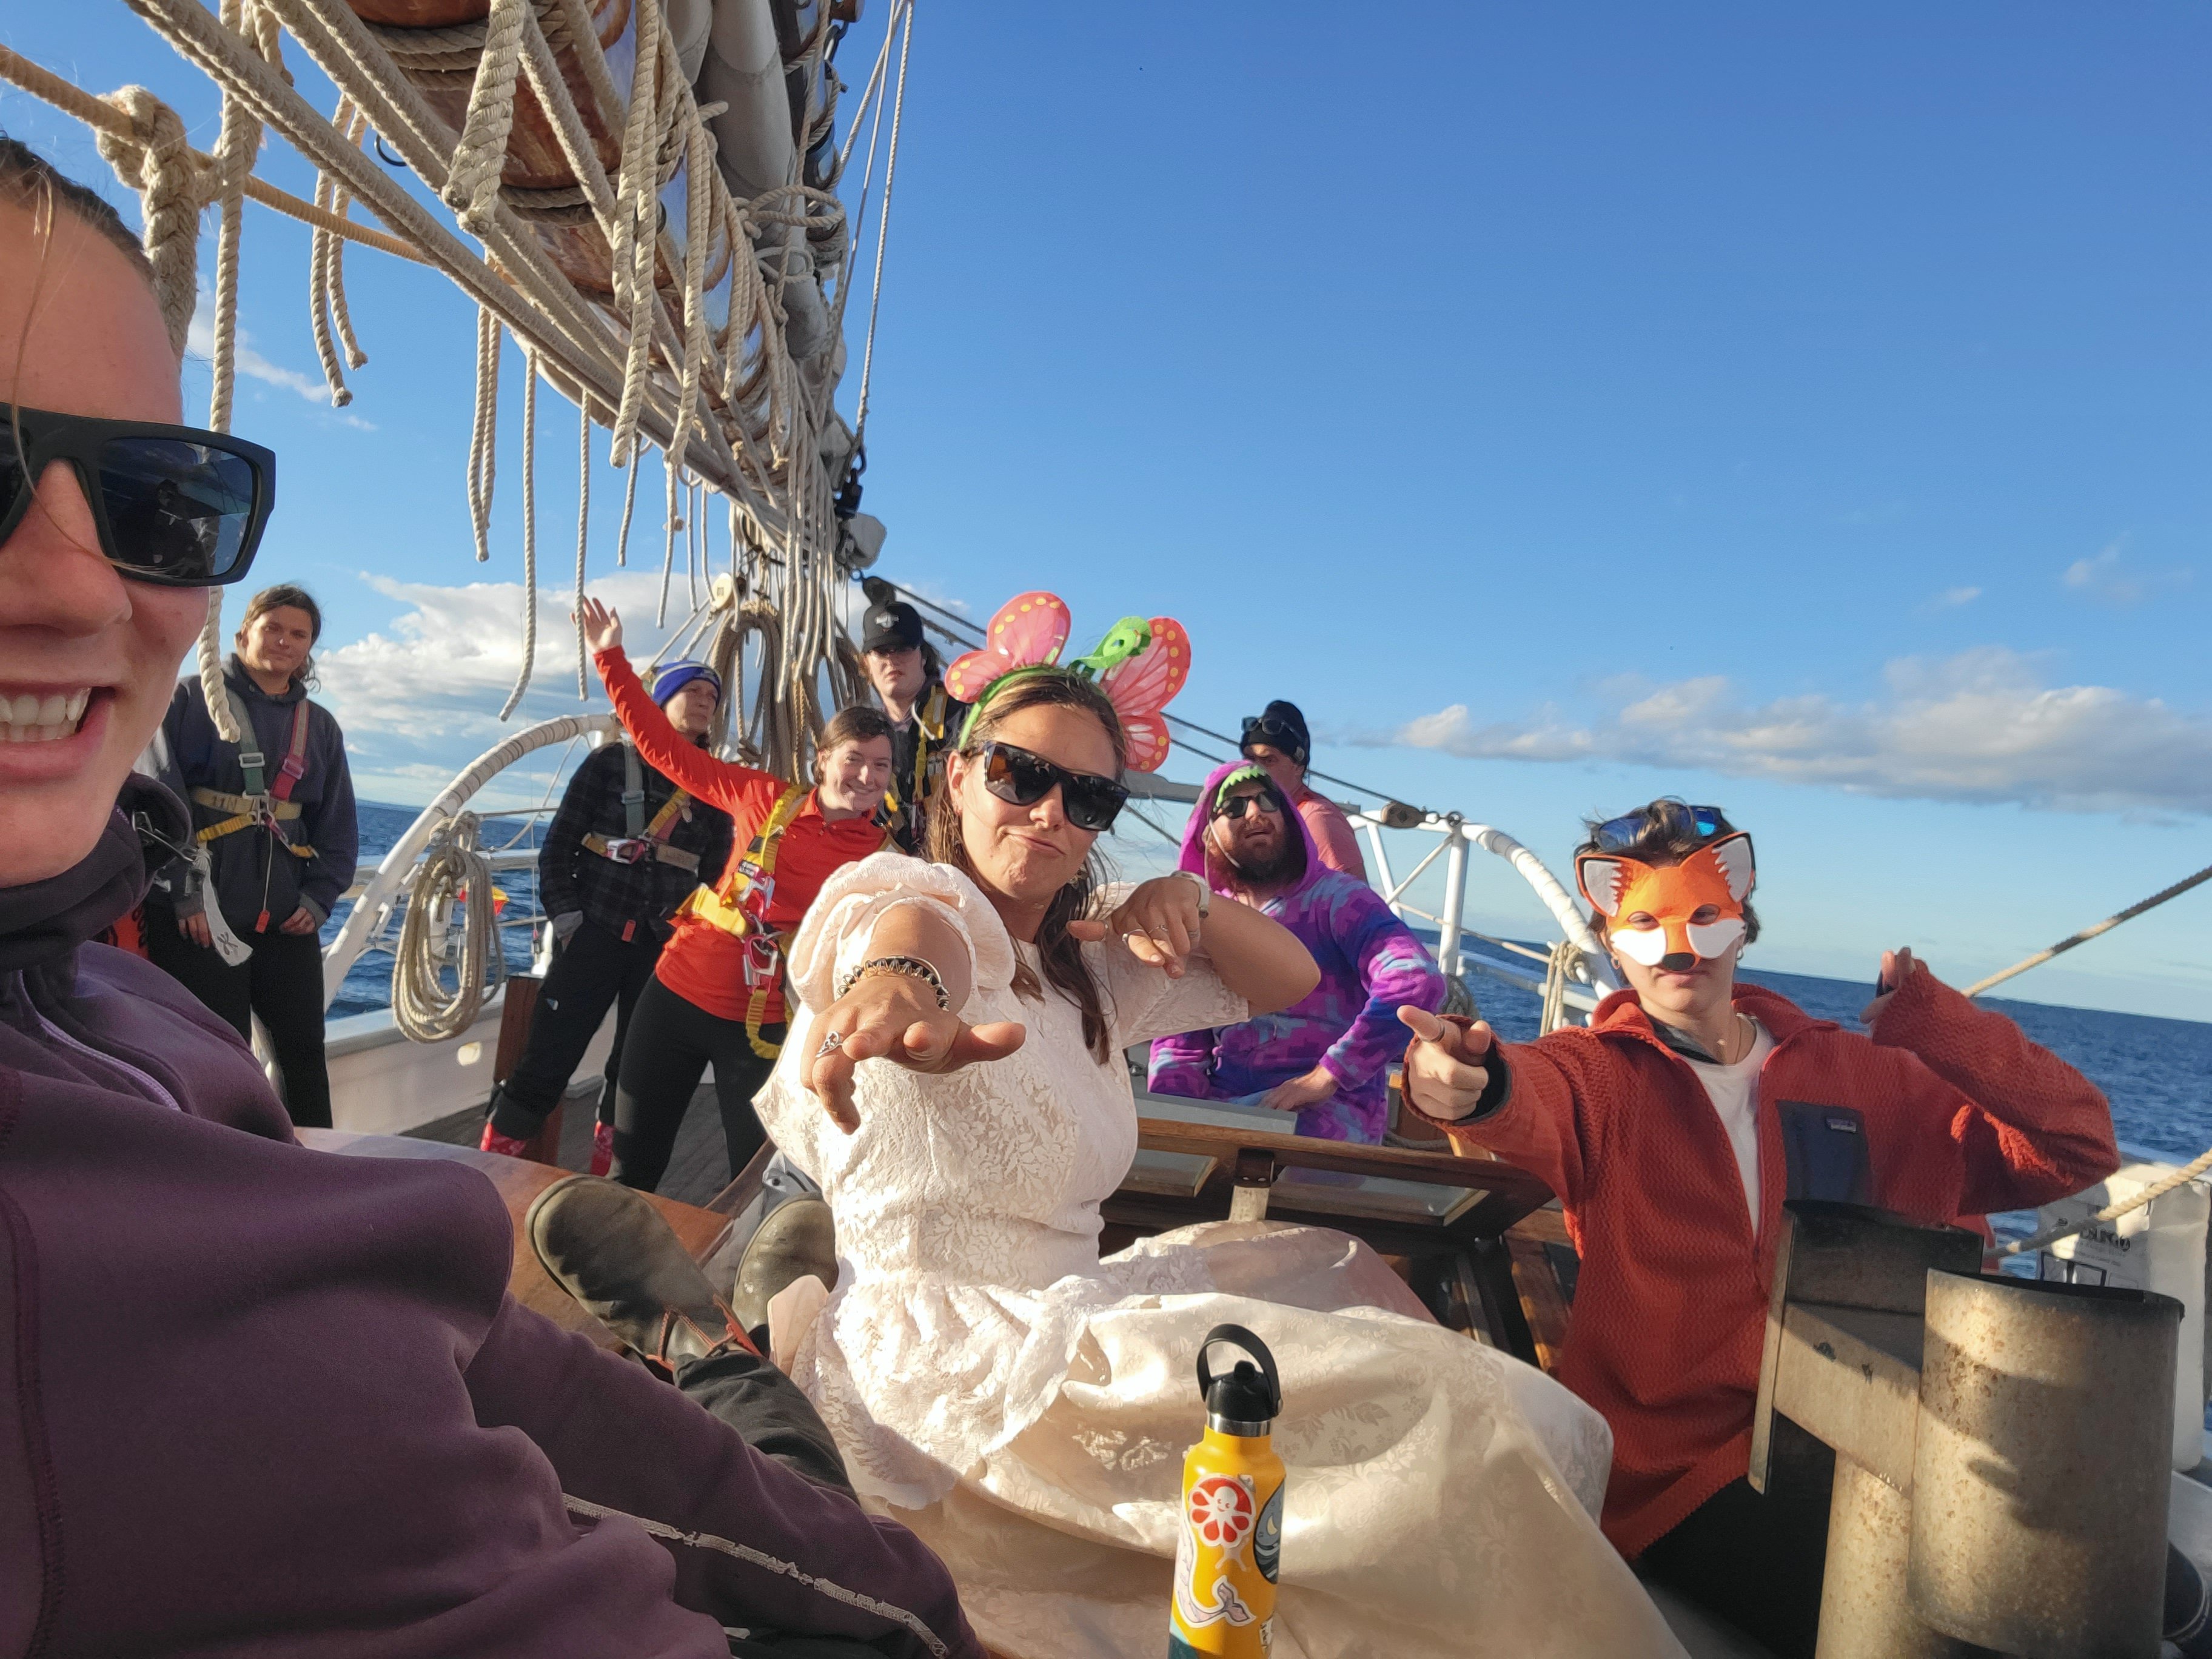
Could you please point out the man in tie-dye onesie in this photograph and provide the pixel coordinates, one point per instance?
(1325, 1057)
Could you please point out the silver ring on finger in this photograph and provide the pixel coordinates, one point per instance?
(835, 1040)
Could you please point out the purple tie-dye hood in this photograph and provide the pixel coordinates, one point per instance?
(1200, 858)
(1371, 967)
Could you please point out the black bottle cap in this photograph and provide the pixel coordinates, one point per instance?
(1248, 1399)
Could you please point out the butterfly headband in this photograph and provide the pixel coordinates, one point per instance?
(1139, 665)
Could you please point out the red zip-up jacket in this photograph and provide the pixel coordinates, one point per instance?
(1946, 1112)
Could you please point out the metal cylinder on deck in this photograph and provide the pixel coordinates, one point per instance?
(1864, 1610)
(2039, 1479)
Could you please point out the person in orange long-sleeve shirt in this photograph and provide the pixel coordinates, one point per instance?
(1673, 1127)
(717, 992)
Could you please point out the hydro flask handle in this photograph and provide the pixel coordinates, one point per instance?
(1254, 1348)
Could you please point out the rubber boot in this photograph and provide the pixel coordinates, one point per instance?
(797, 1238)
(609, 1247)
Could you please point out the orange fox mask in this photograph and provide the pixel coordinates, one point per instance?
(1649, 910)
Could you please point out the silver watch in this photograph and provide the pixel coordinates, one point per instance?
(1205, 892)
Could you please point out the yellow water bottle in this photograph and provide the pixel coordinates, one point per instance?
(1231, 1543)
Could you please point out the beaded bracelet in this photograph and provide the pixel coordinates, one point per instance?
(909, 967)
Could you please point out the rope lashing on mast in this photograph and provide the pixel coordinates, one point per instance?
(2092, 931)
(454, 871)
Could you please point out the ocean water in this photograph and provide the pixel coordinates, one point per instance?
(2157, 1072)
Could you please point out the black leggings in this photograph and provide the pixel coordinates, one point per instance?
(1758, 1561)
(594, 969)
(669, 1045)
(282, 981)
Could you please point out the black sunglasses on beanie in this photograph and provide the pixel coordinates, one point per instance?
(1014, 774)
(175, 506)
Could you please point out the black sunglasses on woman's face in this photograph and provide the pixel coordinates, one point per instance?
(174, 505)
(1014, 774)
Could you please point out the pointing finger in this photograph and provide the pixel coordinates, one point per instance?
(1421, 1022)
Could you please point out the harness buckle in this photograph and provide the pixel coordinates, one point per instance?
(626, 849)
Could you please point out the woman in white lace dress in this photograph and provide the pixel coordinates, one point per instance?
(1024, 1405)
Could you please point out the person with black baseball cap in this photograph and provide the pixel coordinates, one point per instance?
(907, 675)
(1277, 739)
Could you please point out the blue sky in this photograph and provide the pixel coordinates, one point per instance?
(1796, 409)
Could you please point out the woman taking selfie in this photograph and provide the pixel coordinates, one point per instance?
(259, 1398)
(716, 995)
(276, 812)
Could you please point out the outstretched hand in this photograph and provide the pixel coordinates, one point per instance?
(1445, 1069)
(1158, 921)
(1897, 967)
(602, 624)
(890, 1017)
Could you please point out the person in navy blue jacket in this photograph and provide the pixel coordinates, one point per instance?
(275, 814)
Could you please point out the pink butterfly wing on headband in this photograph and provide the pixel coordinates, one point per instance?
(1147, 738)
(1029, 631)
(1144, 685)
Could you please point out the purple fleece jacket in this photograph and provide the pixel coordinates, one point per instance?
(259, 1400)
(1370, 966)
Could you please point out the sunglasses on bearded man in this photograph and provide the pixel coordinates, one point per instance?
(1265, 801)
(1015, 775)
(174, 506)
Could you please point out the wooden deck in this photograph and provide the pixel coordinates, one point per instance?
(698, 1168)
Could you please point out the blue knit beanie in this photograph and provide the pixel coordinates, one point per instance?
(675, 676)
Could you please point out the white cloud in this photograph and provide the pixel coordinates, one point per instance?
(2105, 578)
(1952, 598)
(1979, 727)
(199, 342)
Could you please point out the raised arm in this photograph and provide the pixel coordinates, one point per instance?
(1527, 1104)
(668, 751)
(2029, 1127)
(1255, 957)
(896, 1015)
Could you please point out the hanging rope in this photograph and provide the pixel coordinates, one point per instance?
(529, 532)
(484, 435)
(583, 534)
(454, 871)
(883, 231)
(2090, 933)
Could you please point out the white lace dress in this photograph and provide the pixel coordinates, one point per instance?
(1025, 1407)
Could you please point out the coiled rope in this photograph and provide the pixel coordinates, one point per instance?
(453, 872)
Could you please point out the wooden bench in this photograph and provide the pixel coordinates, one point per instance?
(519, 1181)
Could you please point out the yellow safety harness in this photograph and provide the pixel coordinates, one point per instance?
(743, 915)
(751, 882)
(930, 717)
(265, 805)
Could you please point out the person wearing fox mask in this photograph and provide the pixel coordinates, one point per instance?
(1674, 1124)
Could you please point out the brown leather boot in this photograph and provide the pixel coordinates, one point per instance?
(798, 1237)
(609, 1247)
